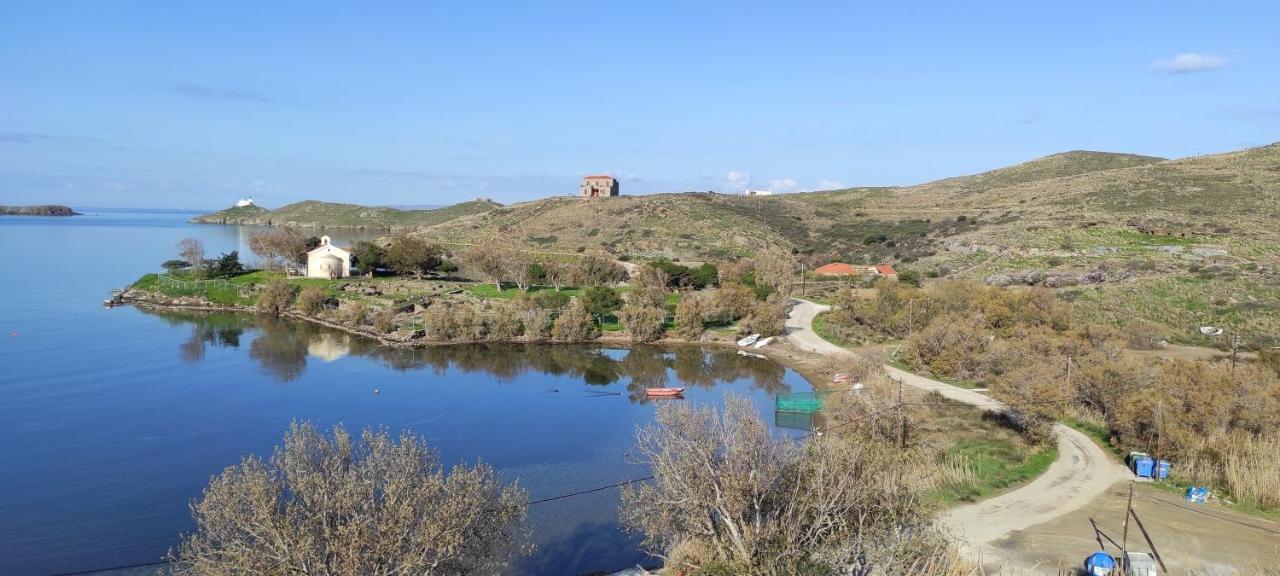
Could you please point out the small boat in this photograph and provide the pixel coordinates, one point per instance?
(764, 342)
(663, 391)
(749, 340)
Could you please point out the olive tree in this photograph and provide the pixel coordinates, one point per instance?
(412, 255)
(598, 268)
(343, 506)
(492, 260)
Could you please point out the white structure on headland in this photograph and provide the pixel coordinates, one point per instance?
(328, 261)
(241, 203)
(758, 193)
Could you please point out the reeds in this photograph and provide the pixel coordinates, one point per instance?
(1248, 466)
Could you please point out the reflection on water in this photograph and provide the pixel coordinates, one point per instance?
(114, 419)
(555, 418)
(282, 348)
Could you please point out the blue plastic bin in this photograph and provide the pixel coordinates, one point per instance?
(1099, 564)
(1162, 469)
(1144, 466)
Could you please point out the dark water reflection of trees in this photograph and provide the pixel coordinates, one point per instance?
(282, 349)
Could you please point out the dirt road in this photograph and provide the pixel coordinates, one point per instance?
(1082, 471)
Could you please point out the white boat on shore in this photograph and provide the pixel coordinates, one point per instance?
(764, 342)
(749, 340)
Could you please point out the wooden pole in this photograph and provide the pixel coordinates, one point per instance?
(1147, 537)
(902, 421)
(1124, 534)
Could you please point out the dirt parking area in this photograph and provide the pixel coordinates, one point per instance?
(1214, 541)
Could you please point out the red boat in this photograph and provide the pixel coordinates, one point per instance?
(663, 391)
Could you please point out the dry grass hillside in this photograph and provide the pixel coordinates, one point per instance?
(1181, 243)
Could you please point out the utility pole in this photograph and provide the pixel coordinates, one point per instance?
(1156, 455)
(1124, 536)
(1147, 537)
(902, 421)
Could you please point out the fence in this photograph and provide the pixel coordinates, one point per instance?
(171, 282)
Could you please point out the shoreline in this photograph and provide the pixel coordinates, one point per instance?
(816, 369)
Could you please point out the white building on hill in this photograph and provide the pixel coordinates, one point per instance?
(328, 261)
(241, 203)
(758, 193)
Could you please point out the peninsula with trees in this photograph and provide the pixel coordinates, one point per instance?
(44, 210)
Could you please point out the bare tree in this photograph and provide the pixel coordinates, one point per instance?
(192, 250)
(519, 267)
(492, 260)
(727, 495)
(346, 506)
(278, 248)
(558, 273)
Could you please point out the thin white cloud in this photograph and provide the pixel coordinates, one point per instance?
(783, 185)
(737, 181)
(1188, 62)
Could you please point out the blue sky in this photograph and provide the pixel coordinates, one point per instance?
(179, 104)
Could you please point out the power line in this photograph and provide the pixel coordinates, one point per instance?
(1209, 514)
(540, 500)
(121, 567)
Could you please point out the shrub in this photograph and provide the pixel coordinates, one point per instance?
(690, 317)
(732, 301)
(649, 287)
(276, 297)
(537, 324)
(728, 495)
(311, 300)
(440, 323)
(645, 323)
(768, 318)
(504, 322)
(575, 325)
(384, 321)
(354, 314)
(283, 515)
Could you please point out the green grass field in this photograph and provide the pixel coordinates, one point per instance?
(997, 464)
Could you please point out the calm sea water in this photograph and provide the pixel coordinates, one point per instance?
(112, 420)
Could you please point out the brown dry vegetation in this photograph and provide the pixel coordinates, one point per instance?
(1108, 230)
(1217, 422)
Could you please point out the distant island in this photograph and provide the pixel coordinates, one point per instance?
(48, 210)
(317, 214)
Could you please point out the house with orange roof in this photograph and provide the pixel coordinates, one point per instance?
(842, 269)
(836, 269)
